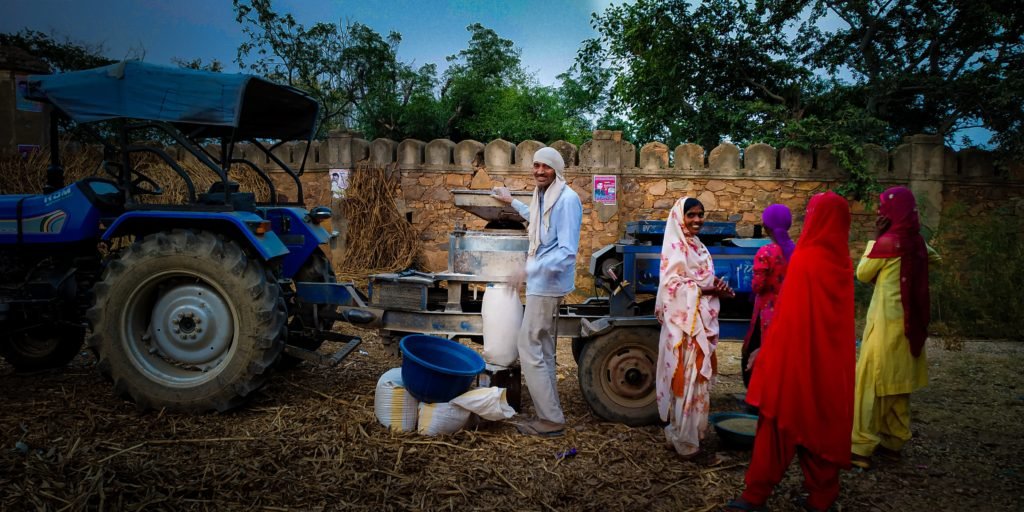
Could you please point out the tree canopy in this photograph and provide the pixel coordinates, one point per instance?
(786, 72)
(59, 55)
(806, 72)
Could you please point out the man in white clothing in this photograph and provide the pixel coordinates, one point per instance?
(555, 215)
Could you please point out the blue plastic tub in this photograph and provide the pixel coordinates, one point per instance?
(436, 369)
(734, 438)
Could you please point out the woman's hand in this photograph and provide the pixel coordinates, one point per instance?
(881, 226)
(751, 358)
(720, 289)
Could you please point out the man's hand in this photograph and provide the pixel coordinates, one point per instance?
(515, 281)
(502, 194)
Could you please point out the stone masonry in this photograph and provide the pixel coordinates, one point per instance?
(734, 185)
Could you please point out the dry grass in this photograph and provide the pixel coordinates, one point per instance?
(310, 441)
(26, 176)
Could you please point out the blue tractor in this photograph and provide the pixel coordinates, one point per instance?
(187, 306)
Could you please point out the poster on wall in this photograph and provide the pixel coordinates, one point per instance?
(26, 150)
(604, 189)
(339, 182)
(21, 102)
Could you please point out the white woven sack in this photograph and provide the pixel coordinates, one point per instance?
(488, 403)
(441, 418)
(394, 407)
(501, 314)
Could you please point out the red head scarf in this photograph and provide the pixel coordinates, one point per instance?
(804, 374)
(903, 240)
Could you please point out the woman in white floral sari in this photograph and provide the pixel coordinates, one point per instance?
(687, 307)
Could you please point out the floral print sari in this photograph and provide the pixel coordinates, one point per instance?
(689, 334)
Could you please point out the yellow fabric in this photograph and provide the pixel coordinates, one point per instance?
(886, 371)
(885, 362)
(880, 420)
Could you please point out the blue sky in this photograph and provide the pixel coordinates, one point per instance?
(548, 32)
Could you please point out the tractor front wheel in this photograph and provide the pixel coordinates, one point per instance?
(42, 347)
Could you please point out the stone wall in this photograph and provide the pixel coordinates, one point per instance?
(733, 183)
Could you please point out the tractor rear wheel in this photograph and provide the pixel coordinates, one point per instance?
(187, 321)
(617, 375)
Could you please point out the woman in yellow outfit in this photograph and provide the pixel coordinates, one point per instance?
(892, 363)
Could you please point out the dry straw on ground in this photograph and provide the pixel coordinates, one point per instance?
(310, 441)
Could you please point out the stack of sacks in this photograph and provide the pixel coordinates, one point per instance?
(398, 410)
(394, 406)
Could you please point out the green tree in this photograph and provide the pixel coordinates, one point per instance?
(937, 66)
(214, 65)
(350, 69)
(768, 71)
(61, 54)
(487, 95)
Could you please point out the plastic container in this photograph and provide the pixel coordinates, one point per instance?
(734, 437)
(502, 314)
(436, 369)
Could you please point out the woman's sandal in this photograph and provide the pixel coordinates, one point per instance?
(802, 502)
(742, 505)
(860, 461)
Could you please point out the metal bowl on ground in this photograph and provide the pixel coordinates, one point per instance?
(735, 429)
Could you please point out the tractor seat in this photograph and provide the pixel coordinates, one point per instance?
(237, 200)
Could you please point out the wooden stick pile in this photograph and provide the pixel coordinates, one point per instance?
(379, 238)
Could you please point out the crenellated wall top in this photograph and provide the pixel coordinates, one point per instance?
(921, 157)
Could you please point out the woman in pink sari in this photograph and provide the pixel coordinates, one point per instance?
(687, 307)
(769, 271)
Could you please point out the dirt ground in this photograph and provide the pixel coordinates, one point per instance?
(309, 441)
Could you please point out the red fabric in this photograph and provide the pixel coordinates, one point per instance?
(803, 376)
(768, 464)
(769, 271)
(903, 240)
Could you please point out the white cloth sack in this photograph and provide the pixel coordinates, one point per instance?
(441, 418)
(488, 403)
(394, 407)
(502, 314)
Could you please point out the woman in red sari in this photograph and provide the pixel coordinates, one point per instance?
(769, 270)
(803, 383)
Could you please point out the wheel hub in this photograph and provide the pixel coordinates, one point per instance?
(192, 325)
(630, 373)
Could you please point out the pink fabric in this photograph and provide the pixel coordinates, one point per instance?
(903, 240)
(689, 325)
(769, 270)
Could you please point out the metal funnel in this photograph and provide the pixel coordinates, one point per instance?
(483, 205)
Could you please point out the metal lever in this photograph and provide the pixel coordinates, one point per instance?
(320, 359)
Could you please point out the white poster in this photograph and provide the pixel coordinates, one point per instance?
(339, 182)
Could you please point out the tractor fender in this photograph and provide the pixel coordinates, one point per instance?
(238, 226)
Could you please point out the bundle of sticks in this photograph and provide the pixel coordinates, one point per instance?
(379, 238)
